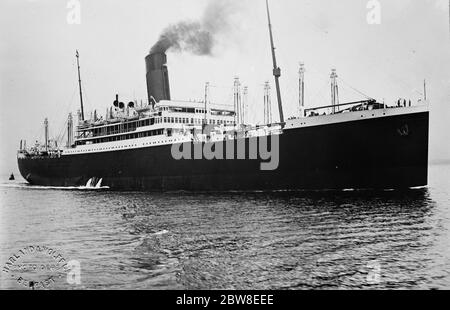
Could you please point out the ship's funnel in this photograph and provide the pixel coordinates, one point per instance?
(157, 77)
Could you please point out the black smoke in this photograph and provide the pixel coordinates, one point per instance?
(199, 37)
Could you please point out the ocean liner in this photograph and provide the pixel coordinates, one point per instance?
(357, 145)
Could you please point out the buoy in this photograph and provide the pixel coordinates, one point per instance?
(11, 177)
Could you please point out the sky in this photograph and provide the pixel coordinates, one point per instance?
(386, 61)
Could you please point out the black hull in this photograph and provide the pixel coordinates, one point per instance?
(387, 153)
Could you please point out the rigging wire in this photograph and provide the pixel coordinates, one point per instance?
(41, 132)
(356, 90)
(59, 138)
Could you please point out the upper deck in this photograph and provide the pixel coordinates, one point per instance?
(132, 123)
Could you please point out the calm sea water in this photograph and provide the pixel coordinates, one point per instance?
(301, 240)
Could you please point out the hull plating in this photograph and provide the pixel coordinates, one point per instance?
(390, 152)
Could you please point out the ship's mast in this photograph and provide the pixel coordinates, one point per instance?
(69, 130)
(276, 69)
(206, 102)
(244, 105)
(46, 135)
(79, 85)
(237, 101)
(301, 90)
(334, 91)
(425, 90)
(267, 105)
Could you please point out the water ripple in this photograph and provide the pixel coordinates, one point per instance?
(256, 240)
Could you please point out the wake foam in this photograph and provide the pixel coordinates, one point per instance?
(38, 187)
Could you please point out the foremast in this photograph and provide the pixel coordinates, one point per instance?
(79, 85)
